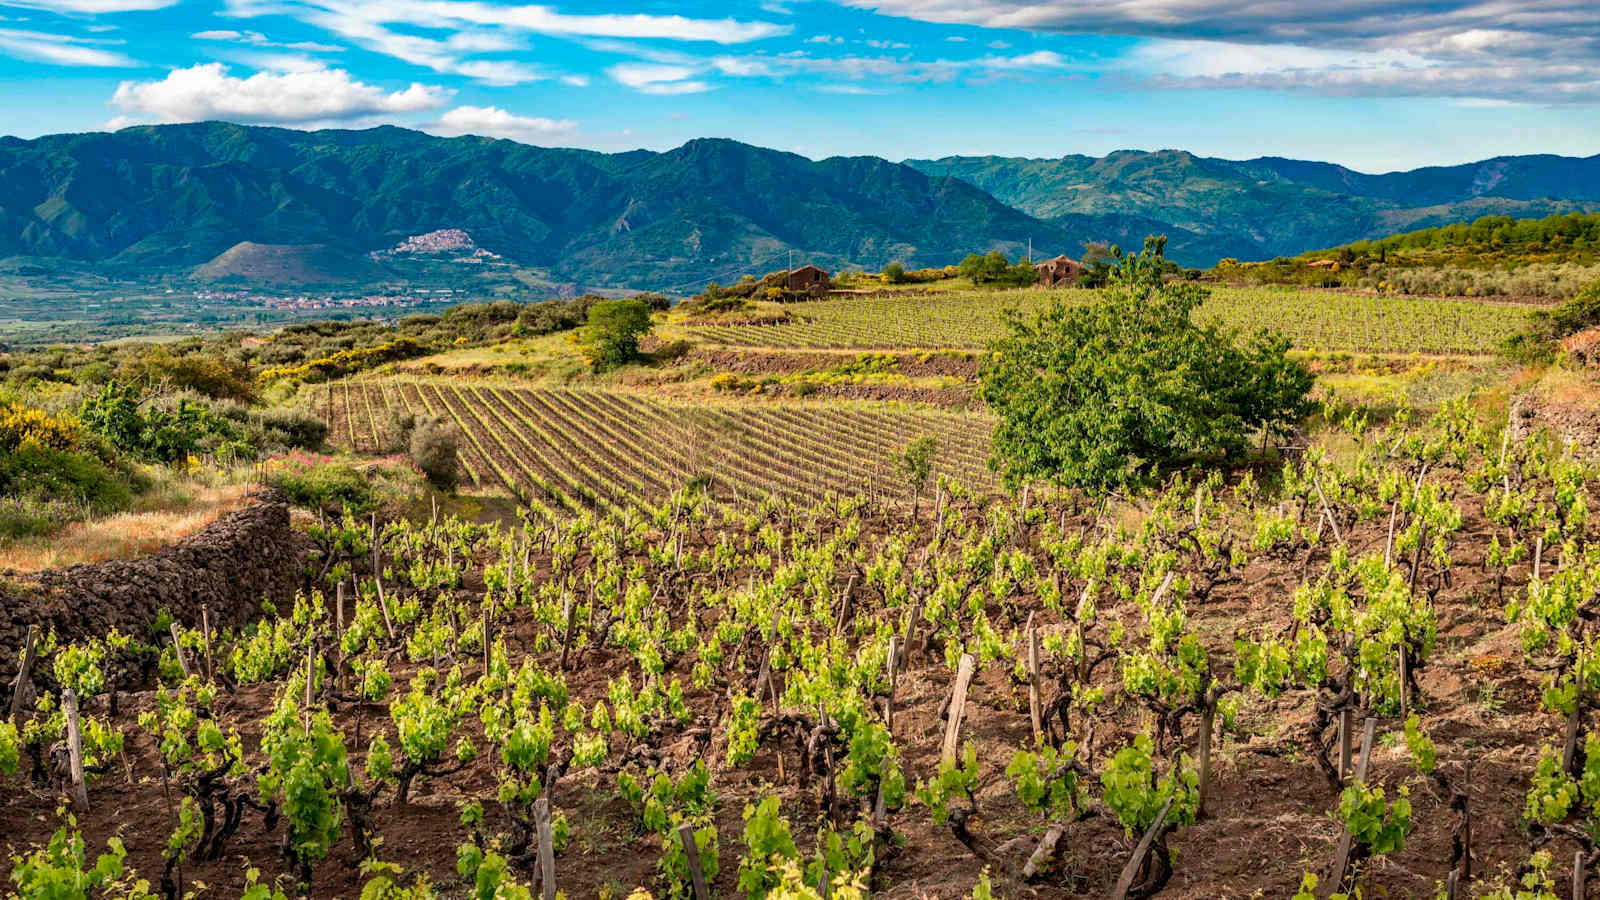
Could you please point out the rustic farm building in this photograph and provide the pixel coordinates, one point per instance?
(1059, 270)
(808, 279)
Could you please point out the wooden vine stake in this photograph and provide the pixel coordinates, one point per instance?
(377, 578)
(691, 855)
(547, 850)
(1341, 856)
(894, 678)
(958, 706)
(1035, 706)
(1577, 875)
(572, 623)
(80, 794)
(1347, 718)
(338, 606)
(1208, 715)
(1131, 870)
(177, 647)
(24, 683)
(205, 636)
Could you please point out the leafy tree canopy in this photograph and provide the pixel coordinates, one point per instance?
(615, 327)
(1101, 395)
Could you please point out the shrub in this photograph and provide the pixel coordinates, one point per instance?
(994, 268)
(1101, 395)
(895, 273)
(434, 450)
(321, 483)
(614, 330)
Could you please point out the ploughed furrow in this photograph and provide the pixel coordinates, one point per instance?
(650, 472)
(348, 419)
(564, 480)
(437, 404)
(736, 471)
(585, 444)
(890, 432)
(662, 446)
(472, 458)
(370, 419)
(495, 429)
(508, 440)
(802, 461)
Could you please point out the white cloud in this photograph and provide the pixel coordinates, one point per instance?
(887, 45)
(998, 45)
(655, 78)
(257, 39)
(58, 49)
(1518, 50)
(824, 39)
(203, 92)
(575, 80)
(478, 28)
(956, 39)
(92, 7)
(492, 121)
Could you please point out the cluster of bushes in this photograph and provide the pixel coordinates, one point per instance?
(1492, 256)
(169, 429)
(347, 362)
(895, 273)
(52, 472)
(994, 268)
(1548, 327)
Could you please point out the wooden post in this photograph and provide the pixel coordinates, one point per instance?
(691, 854)
(1341, 856)
(177, 647)
(80, 793)
(1346, 722)
(1452, 885)
(1405, 698)
(911, 631)
(1035, 705)
(311, 675)
(958, 706)
(205, 635)
(20, 687)
(488, 653)
(1208, 715)
(572, 622)
(894, 678)
(547, 850)
(338, 606)
(377, 578)
(1131, 870)
(1577, 875)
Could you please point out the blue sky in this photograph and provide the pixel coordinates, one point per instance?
(1376, 86)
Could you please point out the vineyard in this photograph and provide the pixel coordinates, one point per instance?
(1313, 320)
(1371, 670)
(567, 451)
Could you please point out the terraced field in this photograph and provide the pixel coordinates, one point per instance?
(568, 450)
(1313, 319)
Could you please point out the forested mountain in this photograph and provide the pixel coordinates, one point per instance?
(171, 198)
(1279, 206)
(179, 195)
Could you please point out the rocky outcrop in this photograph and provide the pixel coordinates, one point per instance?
(231, 566)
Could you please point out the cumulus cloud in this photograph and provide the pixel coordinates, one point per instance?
(58, 49)
(207, 91)
(492, 121)
(1519, 50)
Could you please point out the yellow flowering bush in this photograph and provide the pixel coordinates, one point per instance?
(24, 425)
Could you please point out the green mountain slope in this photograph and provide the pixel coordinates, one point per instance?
(172, 196)
(1279, 206)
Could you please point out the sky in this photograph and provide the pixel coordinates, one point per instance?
(1376, 86)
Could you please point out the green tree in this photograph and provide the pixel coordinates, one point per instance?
(1101, 395)
(916, 464)
(894, 273)
(615, 327)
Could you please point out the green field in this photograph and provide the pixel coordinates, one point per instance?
(1313, 319)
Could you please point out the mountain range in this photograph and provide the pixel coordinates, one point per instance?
(172, 198)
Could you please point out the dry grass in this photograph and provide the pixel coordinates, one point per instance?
(170, 512)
